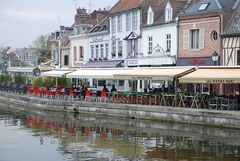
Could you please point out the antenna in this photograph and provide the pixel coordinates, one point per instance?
(90, 6)
(76, 4)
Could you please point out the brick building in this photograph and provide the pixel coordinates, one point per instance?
(200, 27)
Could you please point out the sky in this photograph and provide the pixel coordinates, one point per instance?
(23, 21)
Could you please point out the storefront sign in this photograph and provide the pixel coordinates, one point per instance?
(97, 39)
(142, 78)
(190, 61)
(220, 81)
(132, 62)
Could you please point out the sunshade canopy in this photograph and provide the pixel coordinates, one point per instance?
(97, 73)
(213, 75)
(151, 73)
(55, 73)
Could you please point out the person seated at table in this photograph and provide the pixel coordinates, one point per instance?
(113, 88)
(105, 89)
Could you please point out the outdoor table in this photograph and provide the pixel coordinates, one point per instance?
(167, 99)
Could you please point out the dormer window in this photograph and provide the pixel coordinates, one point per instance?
(203, 7)
(150, 17)
(168, 12)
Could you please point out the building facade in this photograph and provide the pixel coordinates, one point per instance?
(231, 40)
(200, 27)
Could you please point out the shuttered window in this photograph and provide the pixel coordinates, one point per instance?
(185, 39)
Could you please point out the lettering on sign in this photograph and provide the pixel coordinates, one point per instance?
(132, 62)
(141, 78)
(220, 81)
(97, 39)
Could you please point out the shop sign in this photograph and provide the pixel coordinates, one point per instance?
(220, 81)
(141, 78)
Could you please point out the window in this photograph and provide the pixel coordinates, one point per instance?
(101, 51)
(114, 24)
(195, 39)
(114, 49)
(121, 82)
(66, 58)
(128, 21)
(203, 7)
(150, 44)
(120, 49)
(75, 53)
(81, 52)
(168, 42)
(101, 82)
(214, 35)
(92, 51)
(119, 23)
(238, 57)
(150, 18)
(168, 12)
(106, 50)
(97, 51)
(134, 20)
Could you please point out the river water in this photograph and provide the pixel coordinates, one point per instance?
(27, 135)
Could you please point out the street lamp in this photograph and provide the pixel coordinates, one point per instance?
(215, 57)
(168, 52)
(5, 67)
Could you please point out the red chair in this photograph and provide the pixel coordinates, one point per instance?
(57, 94)
(48, 93)
(88, 95)
(71, 93)
(104, 96)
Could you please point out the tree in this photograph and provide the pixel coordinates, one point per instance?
(40, 44)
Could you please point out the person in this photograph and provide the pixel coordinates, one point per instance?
(113, 88)
(105, 89)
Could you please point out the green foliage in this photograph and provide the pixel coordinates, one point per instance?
(20, 79)
(37, 82)
(64, 82)
(3, 78)
(48, 82)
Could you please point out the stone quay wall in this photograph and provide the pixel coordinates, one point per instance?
(176, 114)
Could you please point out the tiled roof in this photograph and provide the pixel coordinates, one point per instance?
(213, 6)
(158, 7)
(124, 5)
(233, 27)
(103, 26)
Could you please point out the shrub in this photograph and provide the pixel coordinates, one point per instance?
(20, 79)
(37, 82)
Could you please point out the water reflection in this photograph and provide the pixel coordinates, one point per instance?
(79, 137)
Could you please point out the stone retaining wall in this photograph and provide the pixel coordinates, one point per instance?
(176, 114)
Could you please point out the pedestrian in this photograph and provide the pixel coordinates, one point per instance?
(113, 88)
(105, 89)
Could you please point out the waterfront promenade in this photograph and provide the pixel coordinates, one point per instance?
(160, 113)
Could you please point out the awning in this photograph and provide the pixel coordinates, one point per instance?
(103, 64)
(213, 75)
(161, 73)
(55, 73)
(21, 69)
(99, 73)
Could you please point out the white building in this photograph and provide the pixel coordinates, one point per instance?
(125, 30)
(160, 33)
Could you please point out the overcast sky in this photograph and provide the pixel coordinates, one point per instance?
(22, 21)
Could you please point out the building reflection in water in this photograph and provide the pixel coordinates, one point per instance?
(83, 136)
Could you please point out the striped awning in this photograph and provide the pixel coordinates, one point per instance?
(97, 73)
(213, 75)
(151, 73)
(55, 73)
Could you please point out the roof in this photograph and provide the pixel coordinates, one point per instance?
(158, 7)
(212, 6)
(233, 28)
(103, 64)
(123, 5)
(103, 26)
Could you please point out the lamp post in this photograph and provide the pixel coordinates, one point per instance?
(5, 67)
(215, 57)
(168, 52)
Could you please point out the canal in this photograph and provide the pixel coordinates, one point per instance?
(27, 135)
